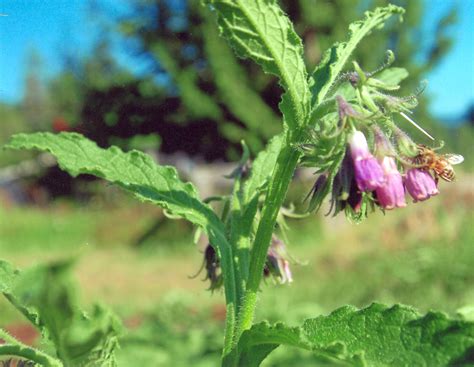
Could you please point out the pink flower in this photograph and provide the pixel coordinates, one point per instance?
(392, 193)
(368, 172)
(420, 184)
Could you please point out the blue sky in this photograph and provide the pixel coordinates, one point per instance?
(56, 27)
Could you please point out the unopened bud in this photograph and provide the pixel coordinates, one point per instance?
(405, 145)
(383, 147)
(345, 109)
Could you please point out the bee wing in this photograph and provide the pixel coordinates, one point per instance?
(454, 158)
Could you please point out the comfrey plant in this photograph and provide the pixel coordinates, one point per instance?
(340, 122)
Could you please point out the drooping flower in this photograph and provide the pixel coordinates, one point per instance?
(318, 192)
(392, 193)
(212, 266)
(344, 189)
(368, 172)
(420, 184)
(277, 263)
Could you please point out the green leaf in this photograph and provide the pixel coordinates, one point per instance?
(134, 171)
(245, 200)
(138, 173)
(334, 59)
(7, 276)
(233, 87)
(375, 336)
(258, 29)
(48, 293)
(392, 76)
(262, 169)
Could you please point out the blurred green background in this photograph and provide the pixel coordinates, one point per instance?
(192, 105)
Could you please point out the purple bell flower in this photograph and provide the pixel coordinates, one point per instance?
(368, 172)
(420, 184)
(392, 193)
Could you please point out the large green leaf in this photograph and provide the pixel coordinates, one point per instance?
(139, 174)
(258, 29)
(134, 171)
(46, 295)
(375, 336)
(233, 87)
(334, 59)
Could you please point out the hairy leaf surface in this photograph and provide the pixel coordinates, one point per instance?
(134, 171)
(262, 168)
(334, 59)
(258, 29)
(233, 87)
(375, 336)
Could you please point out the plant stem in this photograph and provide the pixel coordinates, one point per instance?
(230, 284)
(16, 348)
(281, 178)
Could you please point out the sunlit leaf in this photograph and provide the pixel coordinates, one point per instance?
(335, 58)
(258, 29)
(233, 86)
(375, 336)
(134, 171)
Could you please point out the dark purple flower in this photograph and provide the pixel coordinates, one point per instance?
(213, 269)
(344, 188)
(355, 198)
(368, 172)
(420, 184)
(392, 193)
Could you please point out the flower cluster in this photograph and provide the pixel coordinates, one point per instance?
(364, 159)
(382, 177)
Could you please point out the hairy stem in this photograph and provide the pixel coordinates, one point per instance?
(15, 348)
(230, 284)
(281, 178)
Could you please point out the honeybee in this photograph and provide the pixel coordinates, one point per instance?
(440, 164)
